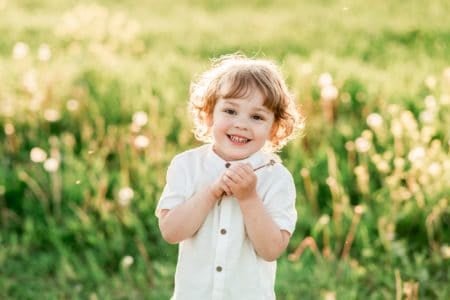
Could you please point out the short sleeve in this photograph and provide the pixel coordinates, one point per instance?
(175, 190)
(279, 201)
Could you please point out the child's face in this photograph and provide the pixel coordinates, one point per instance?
(241, 126)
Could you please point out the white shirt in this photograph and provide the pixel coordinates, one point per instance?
(219, 261)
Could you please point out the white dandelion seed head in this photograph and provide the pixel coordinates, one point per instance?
(445, 251)
(390, 235)
(416, 154)
(141, 142)
(72, 105)
(376, 158)
(324, 220)
(140, 118)
(427, 117)
(9, 129)
(362, 145)
(127, 261)
(125, 195)
(388, 155)
(29, 81)
(367, 134)
(430, 103)
(399, 163)
(51, 165)
(427, 133)
(52, 115)
(383, 166)
(434, 169)
(359, 209)
(20, 50)
(408, 120)
(374, 120)
(396, 128)
(360, 170)
(393, 109)
(325, 79)
(350, 146)
(38, 155)
(329, 93)
(44, 52)
(329, 295)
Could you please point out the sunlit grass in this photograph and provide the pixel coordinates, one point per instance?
(90, 119)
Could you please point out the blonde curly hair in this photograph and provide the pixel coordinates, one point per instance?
(241, 74)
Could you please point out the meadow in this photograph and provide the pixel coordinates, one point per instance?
(93, 106)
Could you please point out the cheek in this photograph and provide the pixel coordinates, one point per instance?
(262, 132)
(219, 123)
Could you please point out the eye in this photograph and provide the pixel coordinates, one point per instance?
(229, 111)
(258, 117)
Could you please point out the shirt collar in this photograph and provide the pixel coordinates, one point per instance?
(218, 163)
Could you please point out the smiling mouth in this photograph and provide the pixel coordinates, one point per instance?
(238, 139)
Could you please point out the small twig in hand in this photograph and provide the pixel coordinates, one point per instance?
(270, 163)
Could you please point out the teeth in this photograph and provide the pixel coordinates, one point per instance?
(237, 139)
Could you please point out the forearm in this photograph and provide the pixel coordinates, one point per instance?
(267, 238)
(183, 221)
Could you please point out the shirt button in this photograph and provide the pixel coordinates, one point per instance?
(219, 269)
(223, 231)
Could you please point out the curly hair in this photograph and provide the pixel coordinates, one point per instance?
(241, 74)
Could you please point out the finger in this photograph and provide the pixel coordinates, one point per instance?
(226, 189)
(225, 185)
(243, 171)
(231, 185)
(245, 174)
(233, 176)
(248, 169)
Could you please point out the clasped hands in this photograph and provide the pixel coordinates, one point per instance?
(239, 180)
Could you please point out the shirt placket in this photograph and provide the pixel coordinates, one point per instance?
(220, 259)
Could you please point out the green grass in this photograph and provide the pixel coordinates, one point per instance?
(66, 235)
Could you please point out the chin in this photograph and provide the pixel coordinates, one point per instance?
(239, 156)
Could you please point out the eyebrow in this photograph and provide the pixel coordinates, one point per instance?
(230, 102)
(262, 109)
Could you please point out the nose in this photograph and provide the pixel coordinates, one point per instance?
(241, 123)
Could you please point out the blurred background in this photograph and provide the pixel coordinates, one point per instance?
(93, 106)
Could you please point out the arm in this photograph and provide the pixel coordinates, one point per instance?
(183, 221)
(267, 238)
